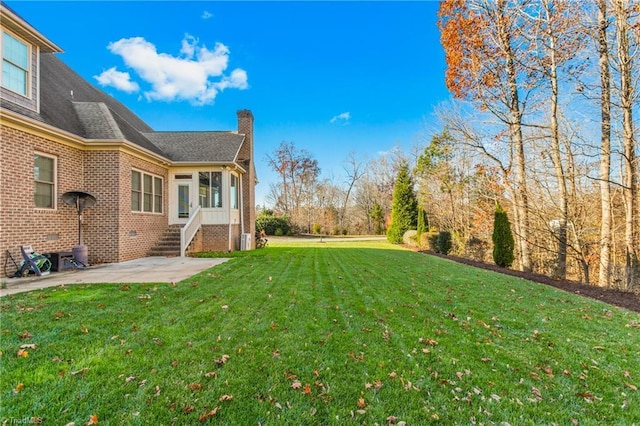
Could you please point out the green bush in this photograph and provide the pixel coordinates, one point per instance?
(503, 243)
(268, 222)
(444, 242)
(317, 228)
(432, 239)
(279, 232)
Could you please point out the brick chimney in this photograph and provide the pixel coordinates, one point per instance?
(247, 161)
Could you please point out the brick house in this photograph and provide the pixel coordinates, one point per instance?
(59, 133)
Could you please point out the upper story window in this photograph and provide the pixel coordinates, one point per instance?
(146, 192)
(44, 174)
(15, 64)
(210, 189)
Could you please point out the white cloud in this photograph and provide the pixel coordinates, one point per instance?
(342, 118)
(118, 79)
(196, 75)
(206, 14)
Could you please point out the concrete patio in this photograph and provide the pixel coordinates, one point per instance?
(155, 269)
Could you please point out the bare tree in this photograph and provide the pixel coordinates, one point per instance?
(354, 169)
(484, 50)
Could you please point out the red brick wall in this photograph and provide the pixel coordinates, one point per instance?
(245, 127)
(110, 230)
(20, 222)
(139, 232)
(216, 237)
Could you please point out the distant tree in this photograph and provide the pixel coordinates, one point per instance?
(377, 217)
(502, 239)
(404, 210)
(299, 172)
(423, 222)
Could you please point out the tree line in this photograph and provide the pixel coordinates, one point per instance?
(541, 122)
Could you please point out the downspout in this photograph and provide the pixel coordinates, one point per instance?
(229, 209)
(241, 209)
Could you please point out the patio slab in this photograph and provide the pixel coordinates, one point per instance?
(156, 269)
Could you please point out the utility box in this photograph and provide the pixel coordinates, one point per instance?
(58, 260)
(245, 242)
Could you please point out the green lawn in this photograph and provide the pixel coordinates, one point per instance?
(320, 333)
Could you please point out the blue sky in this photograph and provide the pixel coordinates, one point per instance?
(331, 77)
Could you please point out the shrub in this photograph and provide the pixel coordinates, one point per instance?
(423, 222)
(268, 222)
(476, 249)
(404, 210)
(432, 239)
(279, 232)
(503, 243)
(317, 228)
(444, 242)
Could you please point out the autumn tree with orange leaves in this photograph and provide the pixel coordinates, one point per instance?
(485, 53)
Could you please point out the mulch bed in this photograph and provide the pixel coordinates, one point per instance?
(624, 299)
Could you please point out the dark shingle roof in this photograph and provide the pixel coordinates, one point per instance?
(220, 147)
(70, 103)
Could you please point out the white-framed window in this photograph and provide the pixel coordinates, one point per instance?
(234, 191)
(210, 189)
(44, 176)
(146, 192)
(16, 56)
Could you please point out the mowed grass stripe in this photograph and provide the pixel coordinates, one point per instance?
(367, 329)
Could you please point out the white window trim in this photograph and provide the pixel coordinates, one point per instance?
(55, 181)
(29, 71)
(231, 176)
(153, 194)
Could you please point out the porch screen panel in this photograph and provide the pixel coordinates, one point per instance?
(234, 192)
(205, 189)
(210, 189)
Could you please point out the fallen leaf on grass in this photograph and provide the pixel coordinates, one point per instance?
(93, 420)
(630, 386)
(222, 360)
(22, 353)
(18, 388)
(25, 335)
(361, 403)
(226, 398)
(296, 384)
(195, 386)
(429, 342)
(206, 416)
(307, 389)
(211, 374)
(80, 372)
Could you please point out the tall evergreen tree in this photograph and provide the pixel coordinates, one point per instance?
(423, 222)
(502, 239)
(404, 210)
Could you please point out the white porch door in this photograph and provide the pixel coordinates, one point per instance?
(184, 203)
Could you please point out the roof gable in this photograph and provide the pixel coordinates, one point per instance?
(198, 147)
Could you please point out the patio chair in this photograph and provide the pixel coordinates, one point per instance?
(33, 262)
